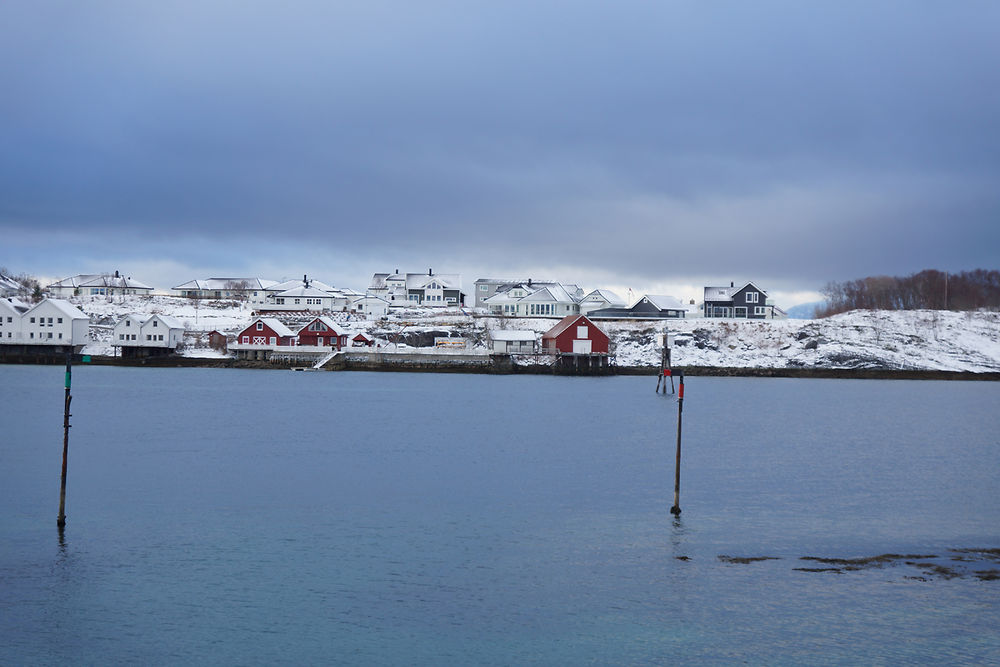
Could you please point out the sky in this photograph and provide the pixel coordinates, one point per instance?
(657, 146)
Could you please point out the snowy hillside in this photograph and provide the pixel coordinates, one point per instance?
(899, 340)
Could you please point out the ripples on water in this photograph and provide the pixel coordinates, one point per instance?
(266, 516)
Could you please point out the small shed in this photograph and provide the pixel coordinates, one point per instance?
(217, 340)
(508, 341)
(576, 334)
(362, 340)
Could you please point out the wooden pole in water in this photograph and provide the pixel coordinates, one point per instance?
(61, 521)
(676, 509)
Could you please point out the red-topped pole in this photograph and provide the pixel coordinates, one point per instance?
(676, 509)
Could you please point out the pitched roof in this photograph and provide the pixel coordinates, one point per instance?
(61, 305)
(325, 320)
(224, 284)
(568, 321)
(274, 325)
(513, 335)
(664, 302)
(421, 280)
(170, 321)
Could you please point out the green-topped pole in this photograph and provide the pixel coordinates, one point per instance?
(61, 521)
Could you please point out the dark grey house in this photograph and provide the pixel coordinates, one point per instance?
(746, 302)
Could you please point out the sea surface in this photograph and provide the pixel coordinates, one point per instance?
(261, 517)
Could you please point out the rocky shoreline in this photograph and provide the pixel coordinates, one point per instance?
(444, 366)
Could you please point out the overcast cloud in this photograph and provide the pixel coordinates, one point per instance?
(657, 145)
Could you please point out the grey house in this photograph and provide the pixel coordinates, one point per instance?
(746, 302)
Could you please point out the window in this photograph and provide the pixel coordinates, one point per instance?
(280, 301)
(149, 337)
(297, 302)
(155, 323)
(274, 341)
(260, 326)
(121, 336)
(32, 320)
(246, 340)
(759, 310)
(50, 334)
(60, 335)
(128, 323)
(31, 335)
(582, 332)
(753, 297)
(59, 320)
(483, 288)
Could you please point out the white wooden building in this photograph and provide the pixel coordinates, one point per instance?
(54, 322)
(11, 310)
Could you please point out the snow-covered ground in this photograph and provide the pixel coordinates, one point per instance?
(905, 340)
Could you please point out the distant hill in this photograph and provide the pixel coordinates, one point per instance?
(804, 311)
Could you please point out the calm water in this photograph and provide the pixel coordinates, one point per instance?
(251, 517)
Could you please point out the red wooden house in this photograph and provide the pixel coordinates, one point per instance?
(267, 332)
(576, 334)
(322, 332)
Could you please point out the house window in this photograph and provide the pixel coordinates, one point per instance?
(274, 341)
(59, 320)
(297, 302)
(759, 310)
(32, 320)
(280, 301)
(128, 323)
(753, 297)
(582, 332)
(50, 334)
(149, 337)
(260, 326)
(32, 335)
(60, 335)
(121, 336)
(483, 288)
(155, 323)
(246, 340)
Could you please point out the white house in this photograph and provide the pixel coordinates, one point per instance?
(252, 290)
(162, 331)
(418, 289)
(299, 298)
(98, 284)
(11, 310)
(372, 307)
(128, 331)
(55, 322)
(535, 300)
(600, 298)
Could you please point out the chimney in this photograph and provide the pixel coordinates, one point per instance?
(529, 282)
(116, 275)
(397, 270)
(430, 272)
(731, 284)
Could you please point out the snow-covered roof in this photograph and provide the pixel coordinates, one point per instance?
(724, 293)
(566, 322)
(300, 291)
(422, 280)
(663, 302)
(330, 324)
(169, 321)
(61, 305)
(513, 335)
(368, 298)
(292, 284)
(225, 284)
(605, 296)
(275, 325)
(15, 305)
(100, 280)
